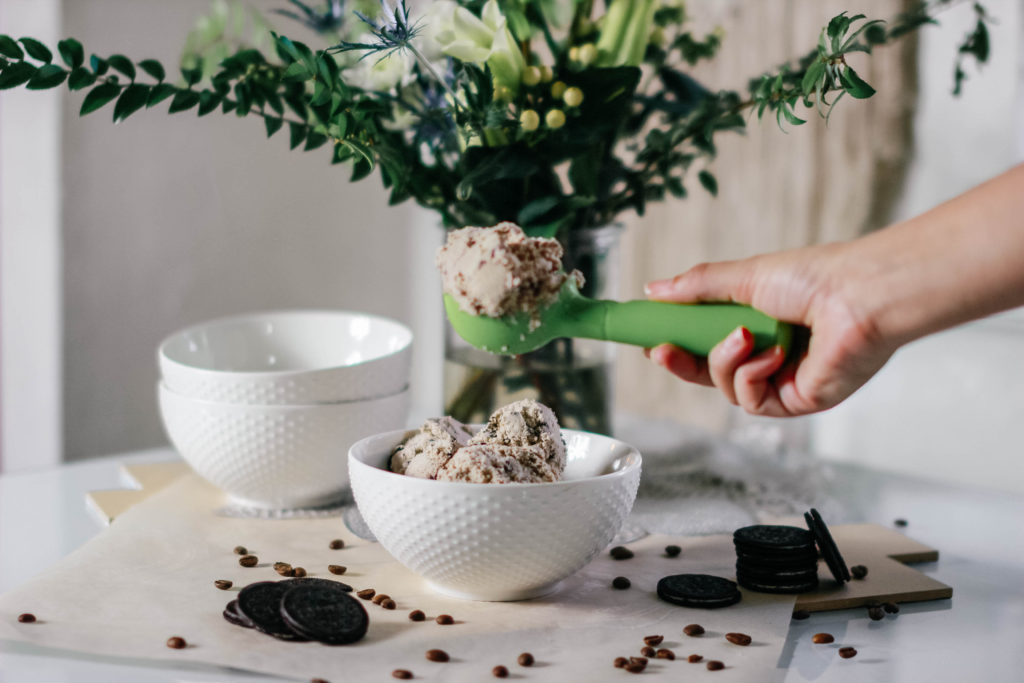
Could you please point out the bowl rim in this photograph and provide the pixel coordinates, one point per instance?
(635, 461)
(162, 388)
(163, 357)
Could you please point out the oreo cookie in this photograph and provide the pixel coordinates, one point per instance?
(698, 590)
(772, 539)
(760, 575)
(232, 615)
(770, 587)
(827, 546)
(803, 559)
(325, 583)
(260, 603)
(324, 614)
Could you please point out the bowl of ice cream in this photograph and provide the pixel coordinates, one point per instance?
(492, 524)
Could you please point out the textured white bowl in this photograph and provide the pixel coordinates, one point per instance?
(288, 358)
(275, 457)
(497, 541)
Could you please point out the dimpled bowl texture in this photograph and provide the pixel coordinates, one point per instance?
(288, 358)
(497, 541)
(275, 457)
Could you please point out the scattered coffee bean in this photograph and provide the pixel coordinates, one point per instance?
(284, 569)
(635, 668)
(847, 652)
(417, 615)
(648, 651)
(223, 584)
(900, 522)
(437, 655)
(248, 560)
(366, 593)
(653, 640)
(822, 638)
(338, 570)
(621, 582)
(638, 660)
(620, 553)
(298, 572)
(665, 653)
(380, 597)
(620, 662)
(876, 613)
(693, 630)
(693, 659)
(445, 619)
(891, 607)
(176, 643)
(499, 672)
(858, 571)
(26, 618)
(403, 674)
(738, 639)
(240, 550)
(673, 550)
(715, 665)
(801, 614)
(388, 604)
(525, 659)
(337, 544)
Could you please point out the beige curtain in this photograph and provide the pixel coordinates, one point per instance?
(776, 189)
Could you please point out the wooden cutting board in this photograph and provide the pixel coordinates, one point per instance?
(885, 552)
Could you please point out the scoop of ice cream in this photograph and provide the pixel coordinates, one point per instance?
(494, 464)
(500, 271)
(526, 423)
(426, 451)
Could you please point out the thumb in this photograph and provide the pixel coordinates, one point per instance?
(722, 281)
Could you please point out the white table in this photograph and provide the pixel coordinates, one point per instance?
(976, 636)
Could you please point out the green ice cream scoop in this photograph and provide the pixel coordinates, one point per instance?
(696, 328)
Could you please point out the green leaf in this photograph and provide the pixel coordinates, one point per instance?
(99, 96)
(183, 101)
(273, 124)
(296, 72)
(813, 75)
(361, 150)
(314, 140)
(361, 169)
(99, 66)
(297, 133)
(14, 75)
(80, 78)
(208, 101)
(790, 116)
(709, 182)
(193, 75)
(71, 52)
(131, 100)
(855, 85)
(37, 50)
(48, 76)
(159, 93)
(227, 106)
(122, 64)
(9, 48)
(153, 68)
(536, 209)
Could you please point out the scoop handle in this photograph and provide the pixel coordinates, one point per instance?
(696, 328)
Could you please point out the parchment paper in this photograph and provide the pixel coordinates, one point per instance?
(150, 576)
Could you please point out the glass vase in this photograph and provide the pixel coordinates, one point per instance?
(573, 377)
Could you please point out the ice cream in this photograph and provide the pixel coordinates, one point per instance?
(499, 271)
(521, 443)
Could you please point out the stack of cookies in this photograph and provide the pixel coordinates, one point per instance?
(776, 559)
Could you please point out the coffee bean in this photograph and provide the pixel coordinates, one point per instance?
(176, 643)
(620, 553)
(858, 571)
(621, 582)
(417, 615)
(738, 639)
(525, 659)
(673, 550)
(665, 653)
(693, 630)
(635, 668)
(822, 638)
(403, 674)
(26, 618)
(715, 665)
(648, 651)
(801, 614)
(284, 569)
(337, 544)
(653, 640)
(380, 597)
(620, 662)
(876, 613)
(223, 584)
(248, 560)
(638, 660)
(499, 672)
(891, 607)
(900, 522)
(366, 593)
(388, 604)
(693, 659)
(298, 572)
(847, 652)
(445, 619)
(437, 655)
(337, 569)
(240, 550)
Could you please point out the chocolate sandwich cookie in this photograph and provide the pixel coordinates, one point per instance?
(324, 614)
(698, 590)
(232, 615)
(827, 546)
(760, 575)
(773, 539)
(260, 603)
(325, 583)
(775, 587)
(799, 560)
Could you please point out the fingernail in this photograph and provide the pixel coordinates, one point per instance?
(658, 287)
(738, 338)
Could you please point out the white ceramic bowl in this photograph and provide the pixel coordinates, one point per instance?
(497, 541)
(275, 457)
(288, 358)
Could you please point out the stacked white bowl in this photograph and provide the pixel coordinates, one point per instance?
(266, 405)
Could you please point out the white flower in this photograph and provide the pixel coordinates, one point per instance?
(479, 40)
(381, 73)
